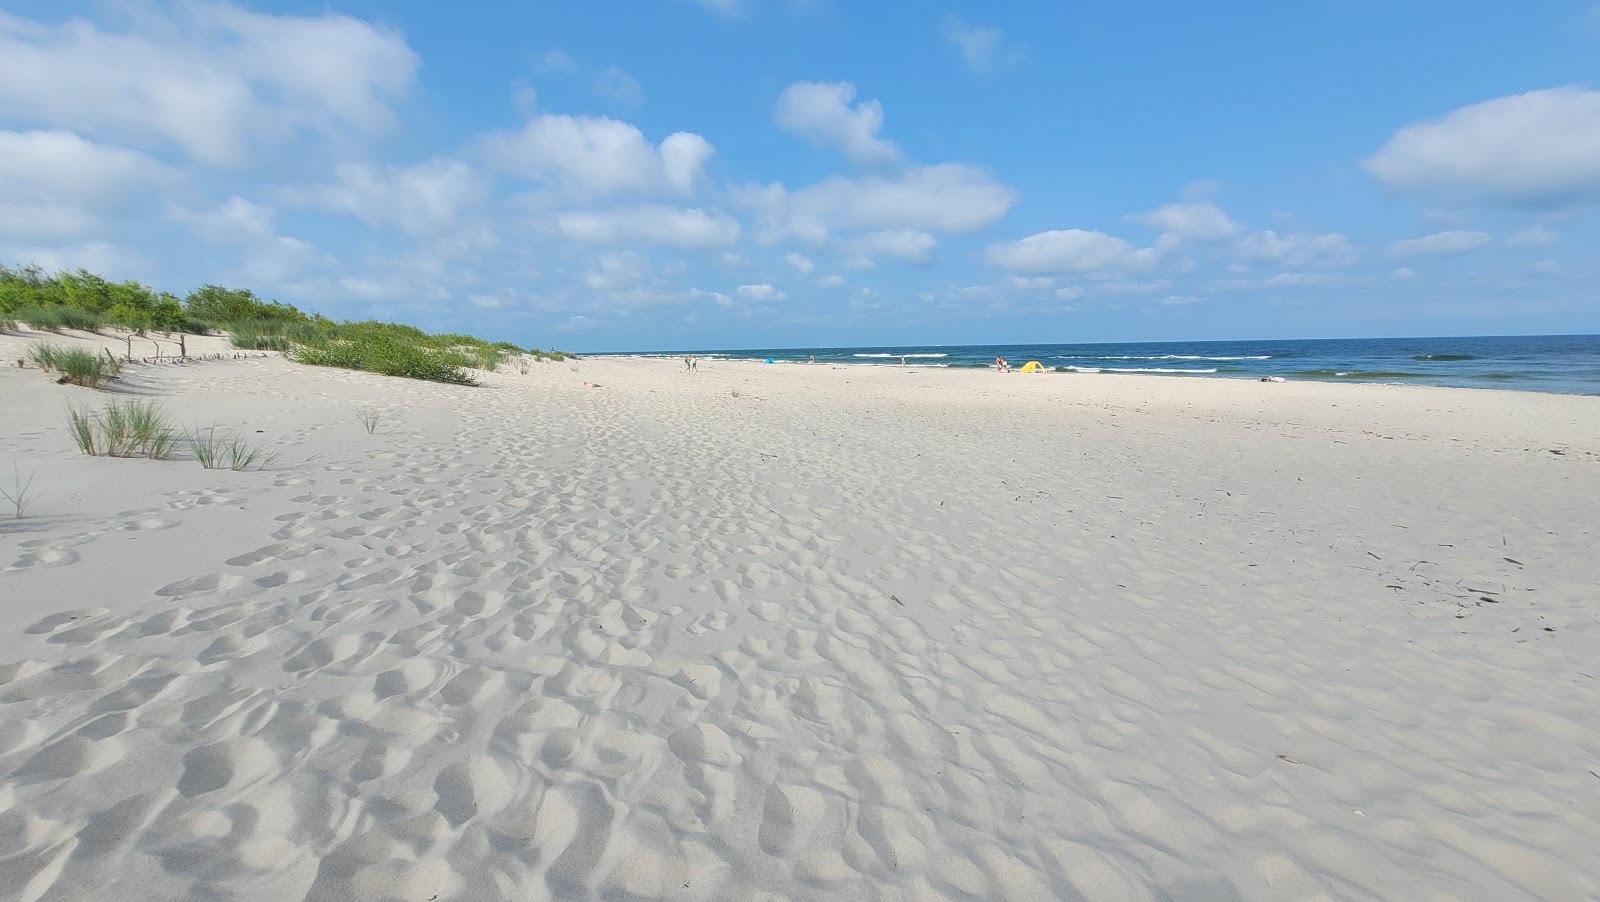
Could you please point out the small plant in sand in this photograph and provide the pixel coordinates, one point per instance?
(8, 325)
(123, 429)
(43, 355)
(489, 359)
(80, 366)
(369, 420)
(737, 393)
(522, 364)
(228, 451)
(21, 493)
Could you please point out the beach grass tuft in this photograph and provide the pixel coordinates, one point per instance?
(80, 366)
(370, 420)
(123, 429)
(228, 451)
(43, 355)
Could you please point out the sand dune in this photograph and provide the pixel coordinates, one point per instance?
(917, 634)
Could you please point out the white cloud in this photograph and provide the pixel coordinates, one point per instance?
(908, 245)
(1031, 283)
(597, 155)
(1403, 274)
(1538, 236)
(57, 185)
(1069, 293)
(800, 262)
(761, 291)
(418, 199)
(614, 83)
(1071, 250)
(1181, 300)
(215, 80)
(1330, 249)
(715, 297)
(689, 229)
(617, 271)
(948, 197)
(1541, 148)
(981, 47)
(831, 281)
(1195, 221)
(1451, 242)
(251, 230)
(822, 113)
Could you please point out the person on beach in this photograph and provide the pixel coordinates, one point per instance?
(694, 364)
(686, 366)
(902, 360)
(813, 359)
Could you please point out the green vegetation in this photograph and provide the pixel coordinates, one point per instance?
(123, 429)
(226, 452)
(84, 301)
(79, 366)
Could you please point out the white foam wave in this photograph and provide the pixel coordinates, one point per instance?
(1138, 369)
(1159, 357)
(907, 356)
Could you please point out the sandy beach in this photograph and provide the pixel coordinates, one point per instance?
(801, 632)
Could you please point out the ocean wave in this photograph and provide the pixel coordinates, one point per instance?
(1157, 357)
(1360, 374)
(907, 356)
(1445, 357)
(1137, 369)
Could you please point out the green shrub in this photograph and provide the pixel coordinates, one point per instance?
(382, 352)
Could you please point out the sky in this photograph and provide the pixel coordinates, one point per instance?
(698, 174)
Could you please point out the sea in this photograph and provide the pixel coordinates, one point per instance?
(1563, 364)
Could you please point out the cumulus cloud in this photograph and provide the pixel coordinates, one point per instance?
(687, 229)
(761, 291)
(981, 47)
(214, 80)
(419, 199)
(1457, 241)
(831, 281)
(821, 112)
(251, 230)
(908, 245)
(948, 198)
(800, 262)
(1071, 251)
(1331, 249)
(598, 155)
(1194, 221)
(56, 184)
(1541, 148)
(1181, 300)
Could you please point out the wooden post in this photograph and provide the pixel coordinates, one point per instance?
(183, 349)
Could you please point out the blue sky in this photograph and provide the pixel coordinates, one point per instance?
(757, 173)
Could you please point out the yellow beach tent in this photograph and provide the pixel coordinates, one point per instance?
(1033, 366)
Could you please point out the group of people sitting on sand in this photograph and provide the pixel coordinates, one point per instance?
(1001, 365)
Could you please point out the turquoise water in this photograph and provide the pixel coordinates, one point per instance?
(1567, 364)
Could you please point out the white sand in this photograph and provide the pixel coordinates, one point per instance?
(854, 634)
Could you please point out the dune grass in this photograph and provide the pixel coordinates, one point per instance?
(80, 299)
(78, 366)
(123, 429)
(228, 451)
(369, 420)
